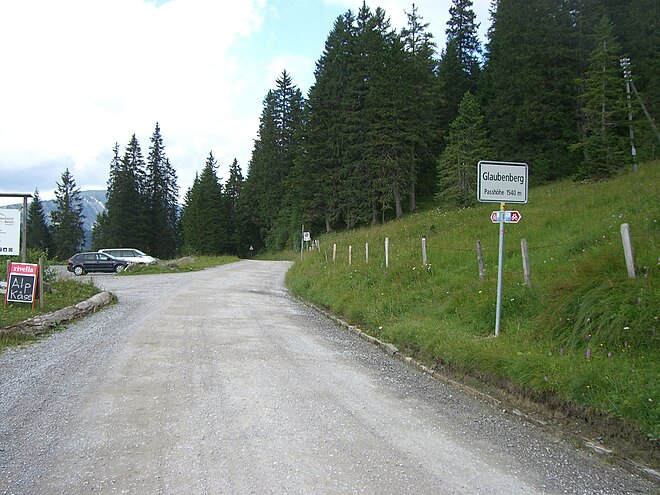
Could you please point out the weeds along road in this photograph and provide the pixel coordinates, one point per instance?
(217, 382)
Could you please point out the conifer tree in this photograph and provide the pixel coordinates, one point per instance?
(67, 218)
(527, 92)
(202, 221)
(38, 232)
(273, 157)
(232, 194)
(161, 196)
(126, 222)
(467, 144)
(326, 138)
(462, 31)
(603, 108)
(422, 103)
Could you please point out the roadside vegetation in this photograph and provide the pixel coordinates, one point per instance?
(186, 264)
(62, 293)
(582, 338)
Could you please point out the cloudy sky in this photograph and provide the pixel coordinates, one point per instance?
(77, 76)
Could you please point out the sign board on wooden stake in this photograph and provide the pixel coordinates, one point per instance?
(22, 283)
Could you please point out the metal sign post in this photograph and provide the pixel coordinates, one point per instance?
(500, 265)
(502, 182)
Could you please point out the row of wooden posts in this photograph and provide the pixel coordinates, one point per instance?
(625, 237)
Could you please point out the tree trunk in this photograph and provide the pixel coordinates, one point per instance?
(397, 203)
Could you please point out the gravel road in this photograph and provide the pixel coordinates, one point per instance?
(217, 382)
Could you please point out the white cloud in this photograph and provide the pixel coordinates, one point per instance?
(82, 74)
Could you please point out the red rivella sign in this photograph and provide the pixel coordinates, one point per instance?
(22, 283)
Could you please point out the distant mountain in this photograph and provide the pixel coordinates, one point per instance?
(93, 203)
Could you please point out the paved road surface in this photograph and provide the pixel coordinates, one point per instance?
(217, 382)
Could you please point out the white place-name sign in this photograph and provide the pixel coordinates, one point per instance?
(502, 182)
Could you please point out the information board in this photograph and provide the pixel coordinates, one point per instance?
(22, 283)
(10, 232)
(502, 182)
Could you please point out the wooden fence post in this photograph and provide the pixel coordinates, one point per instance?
(525, 257)
(41, 283)
(366, 252)
(627, 249)
(480, 259)
(334, 252)
(387, 252)
(350, 255)
(423, 251)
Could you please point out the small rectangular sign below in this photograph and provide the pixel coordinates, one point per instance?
(512, 216)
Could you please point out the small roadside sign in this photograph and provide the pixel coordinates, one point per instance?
(10, 222)
(502, 182)
(307, 236)
(512, 216)
(22, 283)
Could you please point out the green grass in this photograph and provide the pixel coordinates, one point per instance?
(581, 297)
(188, 264)
(63, 293)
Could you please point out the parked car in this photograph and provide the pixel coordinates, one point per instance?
(81, 263)
(130, 254)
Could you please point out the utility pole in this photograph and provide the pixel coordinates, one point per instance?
(625, 64)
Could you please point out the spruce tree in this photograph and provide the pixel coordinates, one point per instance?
(67, 218)
(326, 136)
(161, 197)
(467, 144)
(232, 193)
(462, 31)
(527, 91)
(126, 224)
(203, 222)
(273, 157)
(38, 232)
(421, 87)
(603, 144)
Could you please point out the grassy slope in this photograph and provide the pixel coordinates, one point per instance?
(581, 297)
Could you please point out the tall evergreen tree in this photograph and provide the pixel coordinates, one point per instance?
(326, 138)
(603, 144)
(232, 193)
(423, 97)
(528, 92)
(203, 223)
(125, 225)
(467, 144)
(161, 196)
(459, 67)
(38, 232)
(462, 31)
(67, 218)
(273, 157)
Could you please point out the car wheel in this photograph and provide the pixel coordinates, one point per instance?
(119, 268)
(78, 270)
